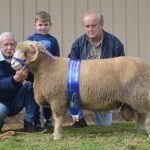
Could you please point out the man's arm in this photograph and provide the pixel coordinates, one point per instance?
(14, 82)
(21, 75)
(75, 51)
(119, 48)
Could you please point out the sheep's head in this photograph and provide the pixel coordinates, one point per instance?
(25, 53)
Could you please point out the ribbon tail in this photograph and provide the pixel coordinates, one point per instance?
(75, 118)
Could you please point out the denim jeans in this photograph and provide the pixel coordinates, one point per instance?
(101, 118)
(46, 112)
(24, 98)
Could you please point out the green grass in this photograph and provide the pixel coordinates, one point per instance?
(119, 136)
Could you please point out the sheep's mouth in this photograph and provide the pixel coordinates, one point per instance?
(16, 67)
(17, 63)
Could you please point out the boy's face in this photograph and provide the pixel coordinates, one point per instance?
(42, 27)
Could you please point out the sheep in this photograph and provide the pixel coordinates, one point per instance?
(105, 84)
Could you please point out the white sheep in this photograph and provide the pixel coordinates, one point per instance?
(105, 84)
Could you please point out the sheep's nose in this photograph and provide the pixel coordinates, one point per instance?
(12, 63)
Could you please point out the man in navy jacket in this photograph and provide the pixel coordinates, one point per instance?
(96, 44)
(15, 91)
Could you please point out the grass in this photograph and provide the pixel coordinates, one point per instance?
(119, 136)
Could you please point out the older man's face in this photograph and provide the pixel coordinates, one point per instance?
(92, 27)
(8, 46)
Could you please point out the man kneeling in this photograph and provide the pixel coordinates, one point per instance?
(16, 91)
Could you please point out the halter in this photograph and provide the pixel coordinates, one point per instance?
(23, 62)
(47, 55)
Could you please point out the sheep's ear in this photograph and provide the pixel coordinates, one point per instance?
(32, 52)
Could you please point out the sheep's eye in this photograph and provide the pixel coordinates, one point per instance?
(27, 52)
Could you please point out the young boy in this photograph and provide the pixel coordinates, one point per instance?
(42, 26)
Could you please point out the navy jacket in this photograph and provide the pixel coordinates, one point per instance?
(111, 47)
(48, 41)
(8, 86)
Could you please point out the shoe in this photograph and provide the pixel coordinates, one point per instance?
(80, 124)
(48, 125)
(28, 126)
(37, 126)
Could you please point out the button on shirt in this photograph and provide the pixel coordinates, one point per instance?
(95, 51)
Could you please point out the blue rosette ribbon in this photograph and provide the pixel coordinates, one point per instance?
(73, 89)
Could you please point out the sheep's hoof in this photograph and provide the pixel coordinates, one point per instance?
(148, 137)
(140, 129)
(57, 137)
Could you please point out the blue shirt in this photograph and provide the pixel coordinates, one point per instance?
(48, 41)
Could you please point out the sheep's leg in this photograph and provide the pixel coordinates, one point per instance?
(57, 126)
(147, 123)
(140, 121)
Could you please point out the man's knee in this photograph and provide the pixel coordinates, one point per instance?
(3, 111)
(29, 86)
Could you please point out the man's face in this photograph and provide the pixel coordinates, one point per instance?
(92, 26)
(42, 27)
(8, 46)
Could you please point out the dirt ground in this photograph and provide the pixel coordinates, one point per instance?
(17, 121)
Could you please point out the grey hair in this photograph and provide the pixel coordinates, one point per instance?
(4, 34)
(97, 13)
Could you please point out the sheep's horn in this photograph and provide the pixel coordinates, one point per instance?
(32, 52)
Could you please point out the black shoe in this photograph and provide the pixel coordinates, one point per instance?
(48, 125)
(37, 126)
(28, 126)
(80, 124)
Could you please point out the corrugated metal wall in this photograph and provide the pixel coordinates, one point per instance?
(129, 20)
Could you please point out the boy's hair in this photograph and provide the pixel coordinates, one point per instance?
(43, 16)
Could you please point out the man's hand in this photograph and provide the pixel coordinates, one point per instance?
(21, 74)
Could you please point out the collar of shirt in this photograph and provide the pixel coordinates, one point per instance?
(99, 43)
(2, 58)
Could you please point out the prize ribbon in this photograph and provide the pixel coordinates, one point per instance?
(73, 89)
